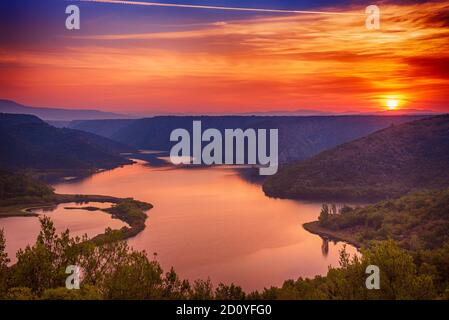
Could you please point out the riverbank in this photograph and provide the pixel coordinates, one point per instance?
(52, 176)
(344, 236)
(128, 210)
(18, 207)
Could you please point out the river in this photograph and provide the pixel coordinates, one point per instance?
(206, 222)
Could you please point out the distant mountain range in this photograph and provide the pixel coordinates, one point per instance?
(299, 137)
(8, 106)
(27, 142)
(60, 117)
(312, 112)
(388, 163)
(400, 112)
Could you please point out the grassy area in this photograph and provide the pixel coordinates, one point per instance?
(130, 211)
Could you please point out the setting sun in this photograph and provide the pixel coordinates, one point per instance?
(392, 104)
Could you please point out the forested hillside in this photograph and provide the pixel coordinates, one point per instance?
(299, 137)
(387, 163)
(29, 143)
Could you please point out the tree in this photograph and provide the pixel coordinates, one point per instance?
(86, 292)
(4, 260)
(173, 287)
(324, 214)
(399, 278)
(202, 290)
(20, 293)
(134, 278)
(42, 266)
(231, 292)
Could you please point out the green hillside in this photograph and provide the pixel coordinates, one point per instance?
(29, 143)
(416, 221)
(388, 163)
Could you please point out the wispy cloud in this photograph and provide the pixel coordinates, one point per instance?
(328, 62)
(207, 7)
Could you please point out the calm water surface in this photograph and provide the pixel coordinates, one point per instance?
(23, 231)
(209, 223)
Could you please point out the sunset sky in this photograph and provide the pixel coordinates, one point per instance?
(139, 59)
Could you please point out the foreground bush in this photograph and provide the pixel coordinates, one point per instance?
(114, 271)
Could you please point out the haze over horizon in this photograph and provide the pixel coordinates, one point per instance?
(144, 60)
(92, 113)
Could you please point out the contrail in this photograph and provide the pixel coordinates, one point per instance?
(159, 4)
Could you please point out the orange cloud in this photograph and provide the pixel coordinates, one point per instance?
(324, 62)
